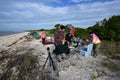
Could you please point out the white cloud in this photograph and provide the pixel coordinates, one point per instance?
(42, 9)
(50, 1)
(38, 14)
(76, 1)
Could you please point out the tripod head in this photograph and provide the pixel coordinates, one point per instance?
(48, 49)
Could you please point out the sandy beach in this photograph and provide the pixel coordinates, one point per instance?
(6, 41)
(29, 55)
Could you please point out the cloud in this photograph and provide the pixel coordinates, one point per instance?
(31, 13)
(76, 1)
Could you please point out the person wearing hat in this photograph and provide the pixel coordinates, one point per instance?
(61, 46)
(59, 36)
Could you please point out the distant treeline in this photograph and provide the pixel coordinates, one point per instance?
(107, 29)
(37, 30)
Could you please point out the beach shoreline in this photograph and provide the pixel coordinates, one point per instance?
(5, 41)
(10, 35)
(7, 33)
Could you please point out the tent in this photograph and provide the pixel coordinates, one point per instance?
(35, 35)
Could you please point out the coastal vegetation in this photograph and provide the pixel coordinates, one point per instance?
(107, 29)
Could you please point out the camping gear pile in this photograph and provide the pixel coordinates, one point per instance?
(48, 40)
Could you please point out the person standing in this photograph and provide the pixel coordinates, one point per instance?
(58, 40)
(68, 37)
(72, 31)
(59, 36)
(96, 43)
(43, 36)
(61, 45)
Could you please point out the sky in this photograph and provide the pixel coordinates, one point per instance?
(19, 15)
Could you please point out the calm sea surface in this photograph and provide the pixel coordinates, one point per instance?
(5, 33)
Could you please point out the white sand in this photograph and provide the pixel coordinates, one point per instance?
(5, 41)
(76, 67)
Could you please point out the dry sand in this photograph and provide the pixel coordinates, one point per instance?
(76, 67)
(6, 41)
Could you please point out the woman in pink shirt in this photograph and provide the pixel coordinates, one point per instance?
(43, 36)
(96, 43)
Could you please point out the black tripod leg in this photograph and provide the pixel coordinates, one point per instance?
(50, 58)
(52, 62)
(45, 62)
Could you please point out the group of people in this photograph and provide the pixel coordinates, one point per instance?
(68, 39)
(63, 41)
(60, 38)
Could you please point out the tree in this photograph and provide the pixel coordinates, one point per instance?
(107, 29)
(57, 26)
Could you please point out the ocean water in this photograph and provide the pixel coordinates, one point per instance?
(5, 33)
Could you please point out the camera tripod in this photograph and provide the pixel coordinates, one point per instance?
(50, 59)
